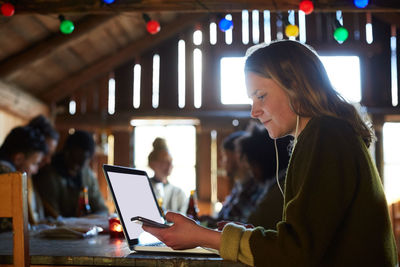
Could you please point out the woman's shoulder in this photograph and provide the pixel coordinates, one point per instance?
(328, 126)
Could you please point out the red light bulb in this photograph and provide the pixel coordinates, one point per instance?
(153, 26)
(7, 9)
(306, 6)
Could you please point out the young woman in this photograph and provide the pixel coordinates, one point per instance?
(335, 212)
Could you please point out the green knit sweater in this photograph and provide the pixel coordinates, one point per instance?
(335, 211)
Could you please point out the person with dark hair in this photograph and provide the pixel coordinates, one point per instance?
(335, 211)
(237, 204)
(22, 150)
(61, 183)
(36, 212)
(50, 134)
(169, 196)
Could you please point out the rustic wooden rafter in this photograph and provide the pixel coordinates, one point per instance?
(51, 44)
(107, 64)
(97, 6)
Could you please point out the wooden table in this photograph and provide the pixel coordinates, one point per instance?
(101, 250)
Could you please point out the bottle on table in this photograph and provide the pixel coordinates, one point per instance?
(192, 210)
(83, 203)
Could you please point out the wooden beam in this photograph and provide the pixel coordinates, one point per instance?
(20, 103)
(107, 64)
(54, 42)
(97, 6)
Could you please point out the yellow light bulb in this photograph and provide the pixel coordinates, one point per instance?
(292, 30)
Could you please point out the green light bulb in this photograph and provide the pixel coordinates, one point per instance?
(67, 26)
(341, 34)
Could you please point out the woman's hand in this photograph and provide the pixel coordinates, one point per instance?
(185, 233)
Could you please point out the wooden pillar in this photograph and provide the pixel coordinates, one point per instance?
(124, 87)
(203, 183)
(123, 147)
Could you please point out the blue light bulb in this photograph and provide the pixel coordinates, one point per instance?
(108, 1)
(225, 24)
(360, 3)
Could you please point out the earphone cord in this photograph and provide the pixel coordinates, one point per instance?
(277, 156)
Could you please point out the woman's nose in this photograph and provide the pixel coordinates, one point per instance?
(255, 111)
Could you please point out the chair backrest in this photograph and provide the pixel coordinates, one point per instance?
(13, 204)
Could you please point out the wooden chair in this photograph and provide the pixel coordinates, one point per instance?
(13, 204)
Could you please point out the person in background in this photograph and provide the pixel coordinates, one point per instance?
(62, 183)
(260, 153)
(256, 151)
(36, 212)
(50, 134)
(237, 170)
(335, 211)
(22, 150)
(169, 197)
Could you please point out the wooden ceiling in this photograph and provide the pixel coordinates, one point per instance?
(35, 58)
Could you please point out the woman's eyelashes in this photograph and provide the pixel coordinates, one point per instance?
(261, 97)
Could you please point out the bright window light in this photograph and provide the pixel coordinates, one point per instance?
(181, 74)
(228, 33)
(245, 26)
(213, 33)
(233, 88)
(256, 26)
(181, 141)
(391, 143)
(368, 33)
(393, 67)
(267, 26)
(197, 77)
(197, 37)
(156, 80)
(344, 73)
(111, 96)
(137, 72)
(302, 27)
(72, 107)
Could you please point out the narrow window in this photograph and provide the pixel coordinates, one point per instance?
(267, 26)
(302, 27)
(72, 107)
(213, 33)
(391, 142)
(228, 33)
(111, 96)
(137, 72)
(393, 65)
(256, 26)
(245, 26)
(181, 74)
(197, 77)
(156, 80)
(197, 37)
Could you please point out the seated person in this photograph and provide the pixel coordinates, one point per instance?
(22, 150)
(35, 206)
(260, 153)
(160, 161)
(255, 156)
(60, 184)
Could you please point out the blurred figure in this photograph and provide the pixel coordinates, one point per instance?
(50, 134)
(61, 183)
(36, 212)
(258, 150)
(169, 197)
(22, 150)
